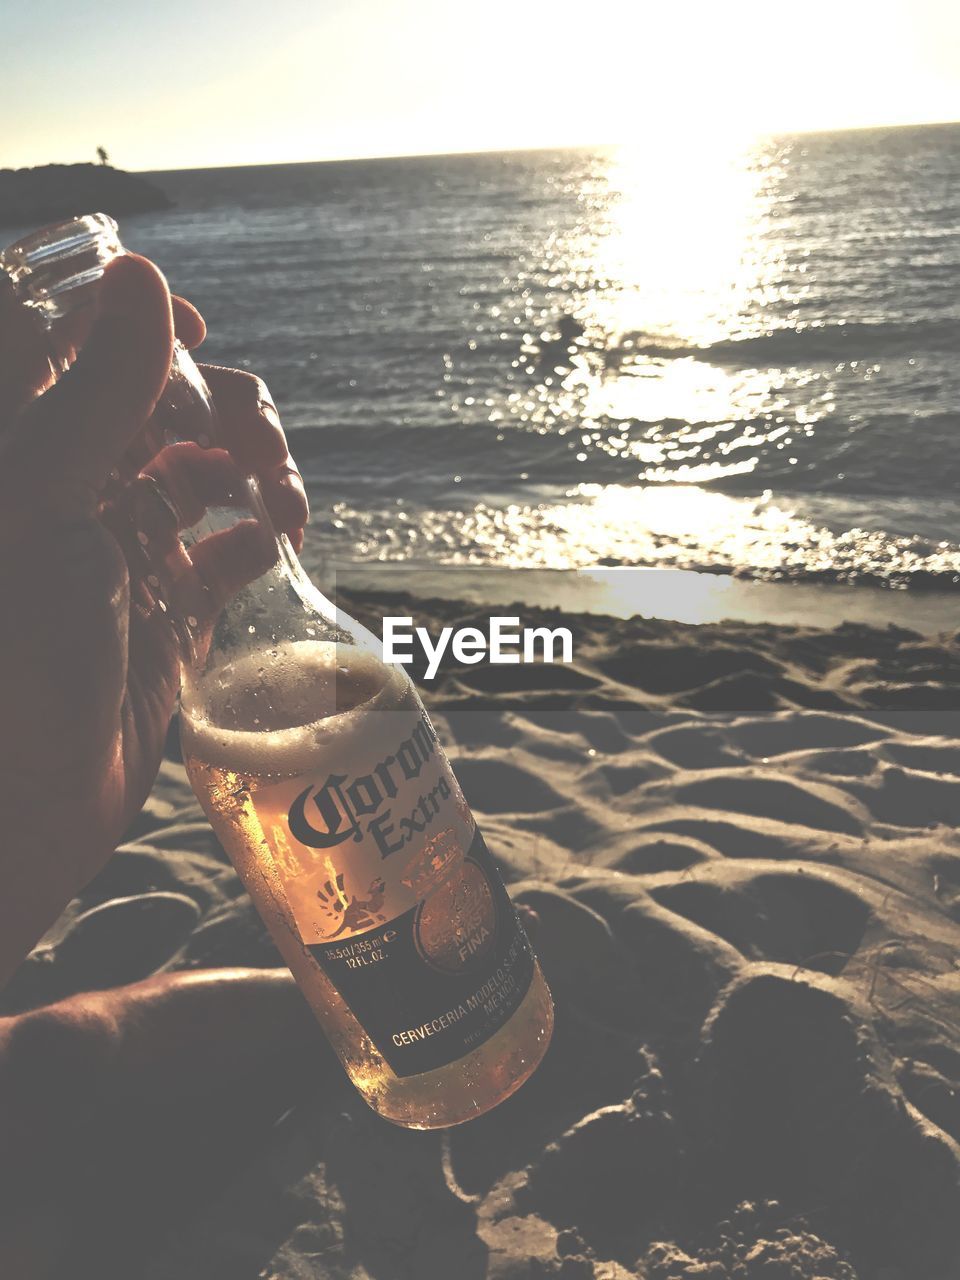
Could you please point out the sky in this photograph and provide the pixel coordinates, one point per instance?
(164, 86)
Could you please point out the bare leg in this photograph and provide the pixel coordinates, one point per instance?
(120, 1108)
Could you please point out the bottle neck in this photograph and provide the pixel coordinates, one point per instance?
(55, 274)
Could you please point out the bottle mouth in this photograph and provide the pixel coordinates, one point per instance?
(53, 271)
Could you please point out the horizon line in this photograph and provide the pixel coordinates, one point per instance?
(487, 150)
(577, 146)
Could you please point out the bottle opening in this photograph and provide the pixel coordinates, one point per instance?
(53, 270)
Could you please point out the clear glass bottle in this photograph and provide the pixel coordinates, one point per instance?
(315, 762)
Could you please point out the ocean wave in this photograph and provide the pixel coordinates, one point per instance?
(687, 529)
(476, 343)
(831, 343)
(888, 455)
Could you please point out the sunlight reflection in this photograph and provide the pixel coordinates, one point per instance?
(686, 389)
(676, 241)
(664, 526)
(685, 237)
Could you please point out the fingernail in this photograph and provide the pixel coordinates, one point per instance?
(292, 478)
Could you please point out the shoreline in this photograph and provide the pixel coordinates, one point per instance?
(673, 595)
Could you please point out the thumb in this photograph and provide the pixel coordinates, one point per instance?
(83, 425)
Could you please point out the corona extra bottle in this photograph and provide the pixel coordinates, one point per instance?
(319, 768)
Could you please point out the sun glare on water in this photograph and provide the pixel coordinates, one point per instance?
(677, 243)
(684, 237)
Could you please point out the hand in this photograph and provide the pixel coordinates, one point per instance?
(89, 677)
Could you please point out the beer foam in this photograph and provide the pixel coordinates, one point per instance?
(286, 711)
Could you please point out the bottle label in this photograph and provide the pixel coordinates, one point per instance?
(396, 896)
(434, 983)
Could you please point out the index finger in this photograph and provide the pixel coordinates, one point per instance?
(190, 326)
(248, 418)
(75, 434)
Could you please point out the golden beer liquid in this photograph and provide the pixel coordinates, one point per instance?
(258, 735)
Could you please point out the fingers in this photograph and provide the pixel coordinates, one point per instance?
(179, 566)
(194, 479)
(189, 325)
(223, 564)
(24, 363)
(29, 355)
(172, 496)
(77, 432)
(248, 418)
(190, 587)
(250, 429)
(286, 500)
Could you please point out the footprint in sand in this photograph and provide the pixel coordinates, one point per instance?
(732, 838)
(696, 746)
(928, 757)
(802, 731)
(653, 852)
(837, 764)
(494, 786)
(611, 1169)
(799, 917)
(906, 798)
(797, 1090)
(781, 798)
(659, 669)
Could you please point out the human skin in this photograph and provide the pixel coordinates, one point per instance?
(89, 677)
(88, 682)
(123, 1110)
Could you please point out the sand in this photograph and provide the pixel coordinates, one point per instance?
(741, 846)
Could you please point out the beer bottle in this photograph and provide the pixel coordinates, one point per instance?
(315, 761)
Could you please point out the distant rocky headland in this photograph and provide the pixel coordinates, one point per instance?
(53, 191)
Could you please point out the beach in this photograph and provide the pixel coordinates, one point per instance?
(740, 846)
(589, 373)
(704, 416)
